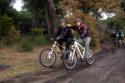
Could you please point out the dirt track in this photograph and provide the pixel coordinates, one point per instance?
(108, 68)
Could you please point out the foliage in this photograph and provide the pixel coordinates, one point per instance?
(4, 4)
(118, 22)
(27, 44)
(88, 10)
(95, 45)
(8, 32)
(5, 25)
(13, 36)
(24, 45)
(37, 31)
(24, 22)
(123, 4)
(45, 13)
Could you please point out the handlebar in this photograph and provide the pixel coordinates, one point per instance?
(53, 39)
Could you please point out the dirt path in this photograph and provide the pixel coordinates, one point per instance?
(109, 68)
(13, 63)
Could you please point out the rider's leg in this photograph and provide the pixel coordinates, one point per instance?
(69, 42)
(60, 42)
(87, 44)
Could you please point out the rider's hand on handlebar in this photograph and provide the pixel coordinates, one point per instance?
(55, 39)
(58, 38)
(52, 39)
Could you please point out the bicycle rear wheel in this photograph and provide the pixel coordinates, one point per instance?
(47, 57)
(69, 62)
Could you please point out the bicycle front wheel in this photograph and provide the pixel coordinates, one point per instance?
(69, 59)
(47, 57)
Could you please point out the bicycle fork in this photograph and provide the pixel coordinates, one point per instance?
(71, 55)
(50, 53)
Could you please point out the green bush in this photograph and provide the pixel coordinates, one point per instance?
(36, 31)
(40, 41)
(27, 44)
(117, 22)
(5, 25)
(24, 45)
(95, 44)
(8, 32)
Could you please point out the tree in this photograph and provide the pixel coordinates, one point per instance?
(24, 22)
(86, 8)
(48, 10)
(8, 33)
(123, 4)
(4, 4)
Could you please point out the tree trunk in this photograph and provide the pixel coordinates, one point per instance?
(34, 11)
(52, 14)
(47, 20)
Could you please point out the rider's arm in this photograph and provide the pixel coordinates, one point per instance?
(57, 33)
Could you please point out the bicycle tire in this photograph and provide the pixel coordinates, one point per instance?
(42, 55)
(67, 62)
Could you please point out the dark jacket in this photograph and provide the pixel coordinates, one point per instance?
(113, 36)
(64, 32)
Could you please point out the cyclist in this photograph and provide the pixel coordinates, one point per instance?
(113, 37)
(64, 34)
(84, 33)
(119, 36)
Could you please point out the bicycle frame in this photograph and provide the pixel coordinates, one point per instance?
(55, 47)
(77, 47)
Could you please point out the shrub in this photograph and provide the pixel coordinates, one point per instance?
(95, 44)
(24, 45)
(8, 33)
(36, 31)
(40, 41)
(5, 25)
(27, 44)
(13, 36)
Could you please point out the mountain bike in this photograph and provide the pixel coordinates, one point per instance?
(48, 56)
(71, 58)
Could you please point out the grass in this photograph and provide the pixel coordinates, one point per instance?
(24, 45)
(18, 70)
(28, 44)
(18, 63)
(22, 57)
